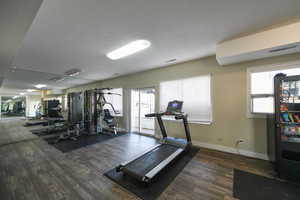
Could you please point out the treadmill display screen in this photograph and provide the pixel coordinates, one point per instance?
(174, 107)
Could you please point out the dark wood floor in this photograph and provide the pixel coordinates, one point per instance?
(31, 169)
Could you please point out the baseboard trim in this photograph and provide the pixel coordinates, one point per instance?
(232, 150)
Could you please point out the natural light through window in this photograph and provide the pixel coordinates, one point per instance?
(262, 89)
(194, 92)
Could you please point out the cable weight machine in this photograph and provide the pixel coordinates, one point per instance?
(98, 117)
(89, 113)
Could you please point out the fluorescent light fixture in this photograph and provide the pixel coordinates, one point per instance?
(129, 49)
(22, 93)
(40, 86)
(31, 90)
(15, 97)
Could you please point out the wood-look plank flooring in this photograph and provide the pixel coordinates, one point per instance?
(30, 169)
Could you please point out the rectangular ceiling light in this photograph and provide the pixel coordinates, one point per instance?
(129, 49)
(40, 86)
(31, 90)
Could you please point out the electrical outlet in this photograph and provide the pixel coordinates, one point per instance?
(240, 141)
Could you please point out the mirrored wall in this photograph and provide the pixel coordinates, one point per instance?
(12, 106)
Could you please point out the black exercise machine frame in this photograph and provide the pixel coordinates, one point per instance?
(177, 117)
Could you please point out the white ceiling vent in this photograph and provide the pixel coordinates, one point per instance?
(274, 42)
(73, 72)
(67, 74)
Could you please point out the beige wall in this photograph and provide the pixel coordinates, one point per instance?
(229, 90)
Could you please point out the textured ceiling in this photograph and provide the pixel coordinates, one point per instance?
(15, 19)
(69, 34)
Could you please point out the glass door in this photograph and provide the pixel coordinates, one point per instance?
(289, 106)
(142, 103)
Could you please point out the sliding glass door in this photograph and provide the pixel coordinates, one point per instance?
(142, 103)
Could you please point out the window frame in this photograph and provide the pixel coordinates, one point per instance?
(211, 99)
(264, 68)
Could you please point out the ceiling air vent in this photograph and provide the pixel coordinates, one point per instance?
(69, 73)
(283, 49)
(73, 72)
(171, 60)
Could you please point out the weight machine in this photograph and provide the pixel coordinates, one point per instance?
(75, 125)
(98, 117)
(89, 113)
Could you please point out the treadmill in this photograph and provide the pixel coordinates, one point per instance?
(145, 166)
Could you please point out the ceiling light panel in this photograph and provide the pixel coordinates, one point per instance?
(31, 90)
(39, 86)
(129, 49)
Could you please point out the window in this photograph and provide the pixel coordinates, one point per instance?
(116, 99)
(262, 86)
(65, 103)
(194, 92)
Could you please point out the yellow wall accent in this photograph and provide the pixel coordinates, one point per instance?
(229, 89)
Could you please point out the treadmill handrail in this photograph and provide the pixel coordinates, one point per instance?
(177, 115)
(154, 114)
(139, 155)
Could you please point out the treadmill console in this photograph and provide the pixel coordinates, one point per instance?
(174, 107)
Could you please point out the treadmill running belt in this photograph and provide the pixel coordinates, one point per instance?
(150, 160)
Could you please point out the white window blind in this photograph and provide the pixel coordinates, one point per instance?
(115, 100)
(262, 89)
(194, 92)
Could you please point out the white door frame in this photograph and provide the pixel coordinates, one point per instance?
(130, 107)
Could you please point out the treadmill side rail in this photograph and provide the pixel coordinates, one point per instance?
(139, 155)
(163, 164)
